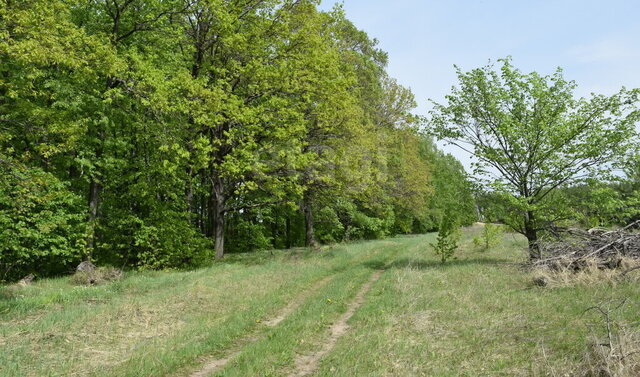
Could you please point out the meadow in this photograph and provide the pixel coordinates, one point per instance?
(376, 308)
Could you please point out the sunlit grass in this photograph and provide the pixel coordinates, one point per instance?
(479, 314)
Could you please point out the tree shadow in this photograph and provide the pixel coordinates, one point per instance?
(424, 264)
(375, 265)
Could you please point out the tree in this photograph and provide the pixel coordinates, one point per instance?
(452, 189)
(530, 136)
(448, 237)
(41, 222)
(249, 102)
(142, 133)
(632, 172)
(47, 70)
(630, 187)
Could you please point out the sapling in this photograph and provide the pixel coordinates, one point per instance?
(489, 237)
(448, 237)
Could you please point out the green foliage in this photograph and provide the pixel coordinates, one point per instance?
(629, 187)
(598, 204)
(329, 229)
(250, 235)
(490, 236)
(452, 189)
(152, 243)
(146, 133)
(530, 137)
(448, 238)
(41, 223)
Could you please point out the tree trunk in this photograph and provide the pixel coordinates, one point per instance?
(95, 190)
(531, 232)
(310, 239)
(210, 227)
(274, 233)
(189, 198)
(219, 202)
(288, 230)
(219, 235)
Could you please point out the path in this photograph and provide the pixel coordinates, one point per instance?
(214, 365)
(307, 364)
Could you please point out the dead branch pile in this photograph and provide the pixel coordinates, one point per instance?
(577, 249)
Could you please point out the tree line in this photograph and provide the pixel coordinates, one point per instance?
(164, 133)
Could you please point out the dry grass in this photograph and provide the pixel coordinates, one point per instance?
(590, 273)
(621, 360)
(476, 316)
(617, 353)
(97, 276)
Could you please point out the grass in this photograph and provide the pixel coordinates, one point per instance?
(477, 315)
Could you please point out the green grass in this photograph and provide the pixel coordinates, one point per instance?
(477, 315)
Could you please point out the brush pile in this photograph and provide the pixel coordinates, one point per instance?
(577, 249)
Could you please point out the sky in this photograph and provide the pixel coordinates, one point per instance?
(597, 43)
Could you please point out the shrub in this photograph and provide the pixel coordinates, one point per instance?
(41, 223)
(372, 224)
(249, 236)
(329, 229)
(163, 240)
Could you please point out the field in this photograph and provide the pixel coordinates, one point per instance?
(380, 308)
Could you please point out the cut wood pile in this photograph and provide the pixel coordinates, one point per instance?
(577, 249)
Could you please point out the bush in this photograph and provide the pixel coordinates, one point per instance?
(360, 225)
(165, 239)
(42, 224)
(249, 236)
(329, 229)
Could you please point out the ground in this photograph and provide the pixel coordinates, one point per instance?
(379, 308)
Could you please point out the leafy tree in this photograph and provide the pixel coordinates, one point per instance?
(629, 188)
(253, 75)
(333, 120)
(451, 186)
(632, 171)
(48, 69)
(530, 136)
(597, 203)
(143, 133)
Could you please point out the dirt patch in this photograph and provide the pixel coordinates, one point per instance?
(307, 364)
(214, 365)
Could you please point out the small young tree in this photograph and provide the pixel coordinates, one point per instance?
(489, 237)
(530, 136)
(448, 237)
